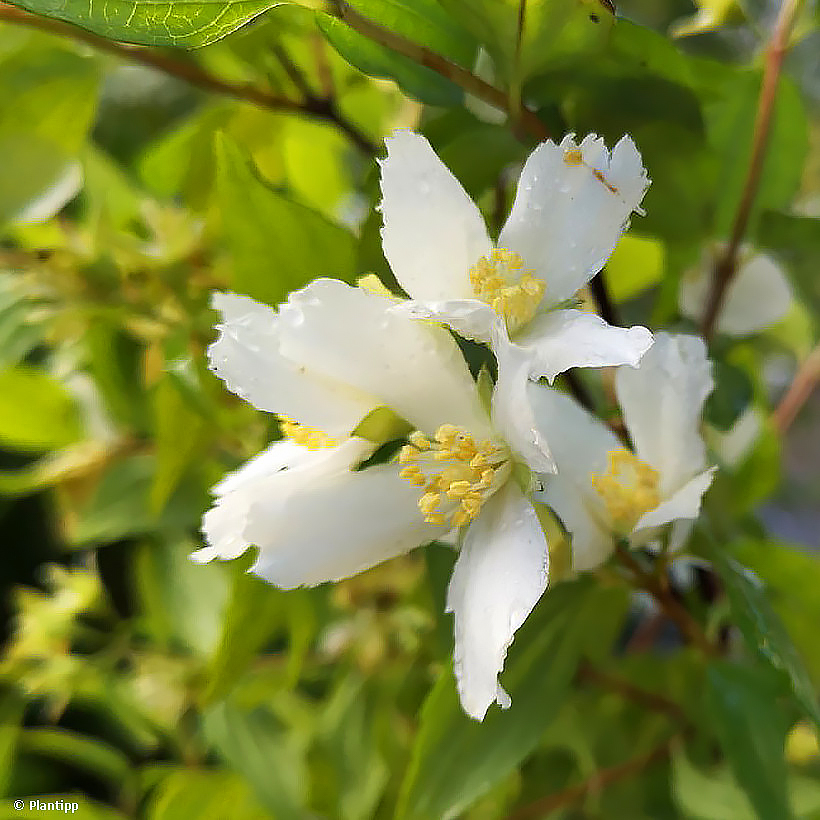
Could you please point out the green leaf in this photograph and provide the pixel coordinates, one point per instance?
(181, 23)
(796, 242)
(381, 425)
(424, 22)
(730, 125)
(255, 611)
(118, 506)
(277, 245)
(636, 264)
(204, 795)
(708, 797)
(36, 412)
(38, 179)
(744, 714)
(761, 628)
(255, 745)
(179, 434)
(376, 60)
(182, 602)
(554, 31)
(81, 752)
(455, 759)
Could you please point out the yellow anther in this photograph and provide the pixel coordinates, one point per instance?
(457, 473)
(574, 156)
(308, 437)
(458, 489)
(629, 489)
(503, 283)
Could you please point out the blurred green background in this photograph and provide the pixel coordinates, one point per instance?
(147, 686)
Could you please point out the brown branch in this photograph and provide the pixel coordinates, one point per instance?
(628, 690)
(803, 385)
(192, 73)
(727, 263)
(672, 607)
(455, 73)
(599, 781)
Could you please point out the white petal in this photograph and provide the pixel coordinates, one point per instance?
(411, 366)
(433, 233)
(566, 221)
(511, 410)
(685, 503)
(337, 526)
(280, 470)
(561, 339)
(662, 402)
(499, 576)
(580, 445)
(582, 514)
(758, 296)
(247, 356)
(471, 318)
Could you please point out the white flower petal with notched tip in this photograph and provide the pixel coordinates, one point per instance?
(412, 367)
(568, 216)
(683, 504)
(336, 527)
(501, 572)
(662, 402)
(433, 233)
(757, 297)
(247, 357)
(278, 471)
(562, 339)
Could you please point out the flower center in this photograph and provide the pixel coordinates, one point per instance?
(305, 436)
(503, 283)
(629, 489)
(457, 474)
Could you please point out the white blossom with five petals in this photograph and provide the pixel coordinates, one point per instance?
(572, 204)
(604, 491)
(324, 360)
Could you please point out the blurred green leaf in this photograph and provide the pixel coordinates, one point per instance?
(118, 506)
(376, 60)
(637, 263)
(456, 759)
(425, 22)
(181, 23)
(11, 715)
(762, 630)
(255, 611)
(256, 746)
(553, 31)
(182, 602)
(81, 752)
(204, 794)
(730, 125)
(708, 797)
(277, 245)
(36, 411)
(180, 435)
(744, 714)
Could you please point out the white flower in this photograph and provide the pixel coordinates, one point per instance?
(572, 204)
(758, 296)
(605, 491)
(327, 358)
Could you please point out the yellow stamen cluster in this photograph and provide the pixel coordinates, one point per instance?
(502, 282)
(457, 474)
(305, 436)
(629, 489)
